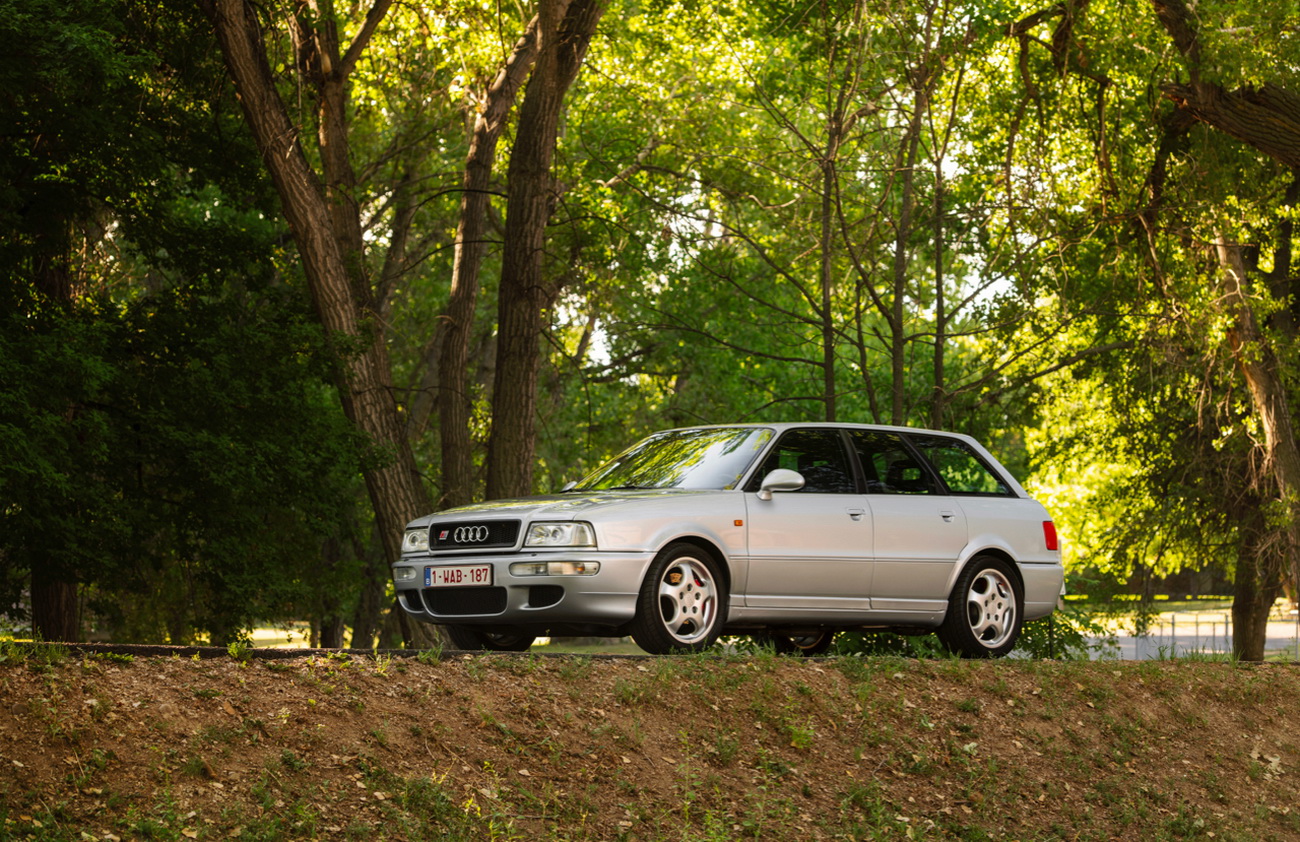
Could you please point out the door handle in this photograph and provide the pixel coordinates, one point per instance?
(947, 516)
(856, 514)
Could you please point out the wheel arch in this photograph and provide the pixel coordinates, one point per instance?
(994, 552)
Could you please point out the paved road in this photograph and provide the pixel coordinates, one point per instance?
(1200, 631)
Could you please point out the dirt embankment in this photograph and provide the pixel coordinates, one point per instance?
(575, 748)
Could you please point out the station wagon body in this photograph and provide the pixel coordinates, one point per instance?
(788, 532)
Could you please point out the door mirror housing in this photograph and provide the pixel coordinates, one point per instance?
(782, 479)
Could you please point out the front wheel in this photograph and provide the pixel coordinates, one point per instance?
(984, 611)
(681, 604)
(472, 639)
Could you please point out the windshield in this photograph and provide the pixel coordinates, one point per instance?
(703, 458)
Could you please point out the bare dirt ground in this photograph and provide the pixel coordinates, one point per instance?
(585, 748)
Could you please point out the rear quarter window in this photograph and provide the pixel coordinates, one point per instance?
(961, 468)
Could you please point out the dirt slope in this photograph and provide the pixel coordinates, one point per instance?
(573, 748)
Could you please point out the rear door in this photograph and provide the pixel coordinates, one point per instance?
(810, 549)
(920, 530)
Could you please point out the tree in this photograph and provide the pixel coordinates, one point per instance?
(1195, 268)
(324, 219)
(457, 323)
(565, 28)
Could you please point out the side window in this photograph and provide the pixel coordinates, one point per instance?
(961, 469)
(816, 454)
(889, 464)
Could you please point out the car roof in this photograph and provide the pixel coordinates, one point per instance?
(782, 426)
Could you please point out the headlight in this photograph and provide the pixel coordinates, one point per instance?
(555, 568)
(567, 534)
(415, 541)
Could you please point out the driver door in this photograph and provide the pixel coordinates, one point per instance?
(810, 550)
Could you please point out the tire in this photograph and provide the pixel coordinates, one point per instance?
(682, 602)
(985, 610)
(807, 645)
(472, 639)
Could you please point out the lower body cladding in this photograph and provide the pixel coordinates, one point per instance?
(581, 602)
(605, 602)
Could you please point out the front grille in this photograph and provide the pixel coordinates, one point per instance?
(457, 601)
(474, 535)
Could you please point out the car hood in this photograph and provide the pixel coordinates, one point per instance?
(561, 506)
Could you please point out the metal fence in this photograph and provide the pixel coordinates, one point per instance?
(1177, 634)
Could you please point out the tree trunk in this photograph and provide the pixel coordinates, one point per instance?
(55, 614)
(371, 602)
(1256, 585)
(898, 276)
(454, 398)
(565, 30)
(340, 294)
(1259, 366)
(55, 611)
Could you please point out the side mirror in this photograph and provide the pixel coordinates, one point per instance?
(782, 479)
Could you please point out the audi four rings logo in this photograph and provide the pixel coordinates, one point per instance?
(470, 534)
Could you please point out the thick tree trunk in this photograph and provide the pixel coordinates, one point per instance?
(1259, 366)
(525, 297)
(1256, 585)
(55, 614)
(55, 610)
(457, 324)
(341, 297)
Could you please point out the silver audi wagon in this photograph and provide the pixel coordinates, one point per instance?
(786, 532)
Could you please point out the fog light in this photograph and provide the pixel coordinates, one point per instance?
(404, 574)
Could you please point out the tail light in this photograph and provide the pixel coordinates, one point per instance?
(1049, 536)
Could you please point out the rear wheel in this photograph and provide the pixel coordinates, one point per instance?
(808, 645)
(985, 610)
(472, 639)
(680, 607)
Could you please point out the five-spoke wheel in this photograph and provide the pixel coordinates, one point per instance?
(984, 611)
(681, 604)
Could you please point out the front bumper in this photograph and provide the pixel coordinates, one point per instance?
(605, 598)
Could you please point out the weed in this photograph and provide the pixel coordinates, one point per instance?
(239, 650)
(575, 669)
(431, 656)
(292, 762)
(196, 767)
(725, 748)
(801, 736)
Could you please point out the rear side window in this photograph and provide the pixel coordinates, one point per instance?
(889, 464)
(961, 469)
(817, 454)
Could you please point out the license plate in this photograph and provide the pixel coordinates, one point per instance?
(461, 576)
